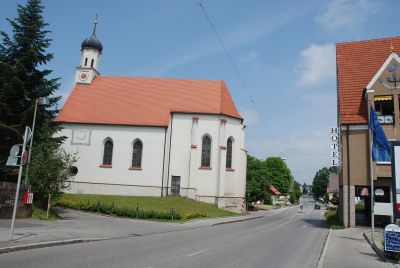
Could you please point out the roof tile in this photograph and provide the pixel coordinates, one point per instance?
(357, 63)
(144, 101)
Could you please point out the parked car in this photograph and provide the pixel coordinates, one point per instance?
(317, 206)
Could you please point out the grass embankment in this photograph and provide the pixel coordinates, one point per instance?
(158, 208)
(333, 219)
(40, 214)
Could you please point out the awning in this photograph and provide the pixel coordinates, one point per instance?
(383, 98)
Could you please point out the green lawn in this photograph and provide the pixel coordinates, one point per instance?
(149, 207)
(39, 213)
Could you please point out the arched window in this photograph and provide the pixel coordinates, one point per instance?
(206, 152)
(92, 63)
(85, 61)
(137, 154)
(229, 153)
(108, 151)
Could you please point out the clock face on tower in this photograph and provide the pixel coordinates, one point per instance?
(83, 76)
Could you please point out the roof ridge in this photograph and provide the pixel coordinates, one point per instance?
(367, 41)
(159, 78)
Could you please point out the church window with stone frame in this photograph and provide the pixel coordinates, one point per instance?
(137, 154)
(229, 153)
(206, 152)
(108, 152)
(92, 63)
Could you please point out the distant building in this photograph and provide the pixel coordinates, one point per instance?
(275, 194)
(153, 136)
(367, 75)
(333, 186)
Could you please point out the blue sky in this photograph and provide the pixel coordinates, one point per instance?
(284, 51)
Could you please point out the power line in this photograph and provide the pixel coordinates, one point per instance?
(236, 70)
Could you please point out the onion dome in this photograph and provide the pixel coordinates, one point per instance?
(92, 41)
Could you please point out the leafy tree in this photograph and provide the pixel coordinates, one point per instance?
(320, 182)
(279, 174)
(257, 186)
(296, 193)
(23, 78)
(50, 170)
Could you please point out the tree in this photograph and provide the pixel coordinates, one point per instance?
(320, 182)
(23, 79)
(50, 171)
(279, 174)
(257, 186)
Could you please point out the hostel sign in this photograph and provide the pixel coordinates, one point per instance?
(335, 146)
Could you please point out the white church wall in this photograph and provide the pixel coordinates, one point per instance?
(94, 179)
(235, 181)
(205, 181)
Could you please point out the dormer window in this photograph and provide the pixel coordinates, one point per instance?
(384, 109)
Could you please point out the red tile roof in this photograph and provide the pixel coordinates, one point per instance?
(144, 101)
(274, 190)
(357, 63)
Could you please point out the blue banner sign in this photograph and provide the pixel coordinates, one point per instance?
(392, 238)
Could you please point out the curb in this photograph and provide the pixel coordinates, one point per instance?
(377, 250)
(235, 220)
(322, 257)
(47, 244)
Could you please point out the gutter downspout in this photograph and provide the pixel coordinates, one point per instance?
(162, 175)
(348, 175)
(170, 148)
(371, 171)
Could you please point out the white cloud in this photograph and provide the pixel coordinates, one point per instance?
(252, 55)
(317, 64)
(346, 15)
(251, 117)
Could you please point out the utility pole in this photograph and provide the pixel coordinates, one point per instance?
(26, 138)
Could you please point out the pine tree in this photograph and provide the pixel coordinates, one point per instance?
(23, 78)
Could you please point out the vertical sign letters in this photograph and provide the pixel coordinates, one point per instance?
(335, 146)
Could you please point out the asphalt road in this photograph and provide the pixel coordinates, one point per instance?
(282, 238)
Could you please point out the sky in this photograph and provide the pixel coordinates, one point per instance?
(283, 50)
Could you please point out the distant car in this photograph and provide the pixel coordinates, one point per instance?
(317, 206)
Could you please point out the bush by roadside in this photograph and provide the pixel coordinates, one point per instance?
(333, 220)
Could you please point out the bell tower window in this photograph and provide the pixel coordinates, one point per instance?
(92, 63)
(85, 61)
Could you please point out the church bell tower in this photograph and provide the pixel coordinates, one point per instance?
(91, 50)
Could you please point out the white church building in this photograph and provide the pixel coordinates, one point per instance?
(153, 136)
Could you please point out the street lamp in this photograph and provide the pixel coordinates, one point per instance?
(38, 101)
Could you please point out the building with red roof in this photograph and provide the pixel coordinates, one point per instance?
(367, 76)
(153, 136)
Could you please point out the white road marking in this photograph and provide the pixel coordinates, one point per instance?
(244, 237)
(197, 252)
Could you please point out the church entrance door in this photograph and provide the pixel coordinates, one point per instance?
(175, 185)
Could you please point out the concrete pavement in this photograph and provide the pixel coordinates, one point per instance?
(343, 248)
(76, 227)
(349, 248)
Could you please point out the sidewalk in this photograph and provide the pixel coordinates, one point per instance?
(77, 227)
(349, 248)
